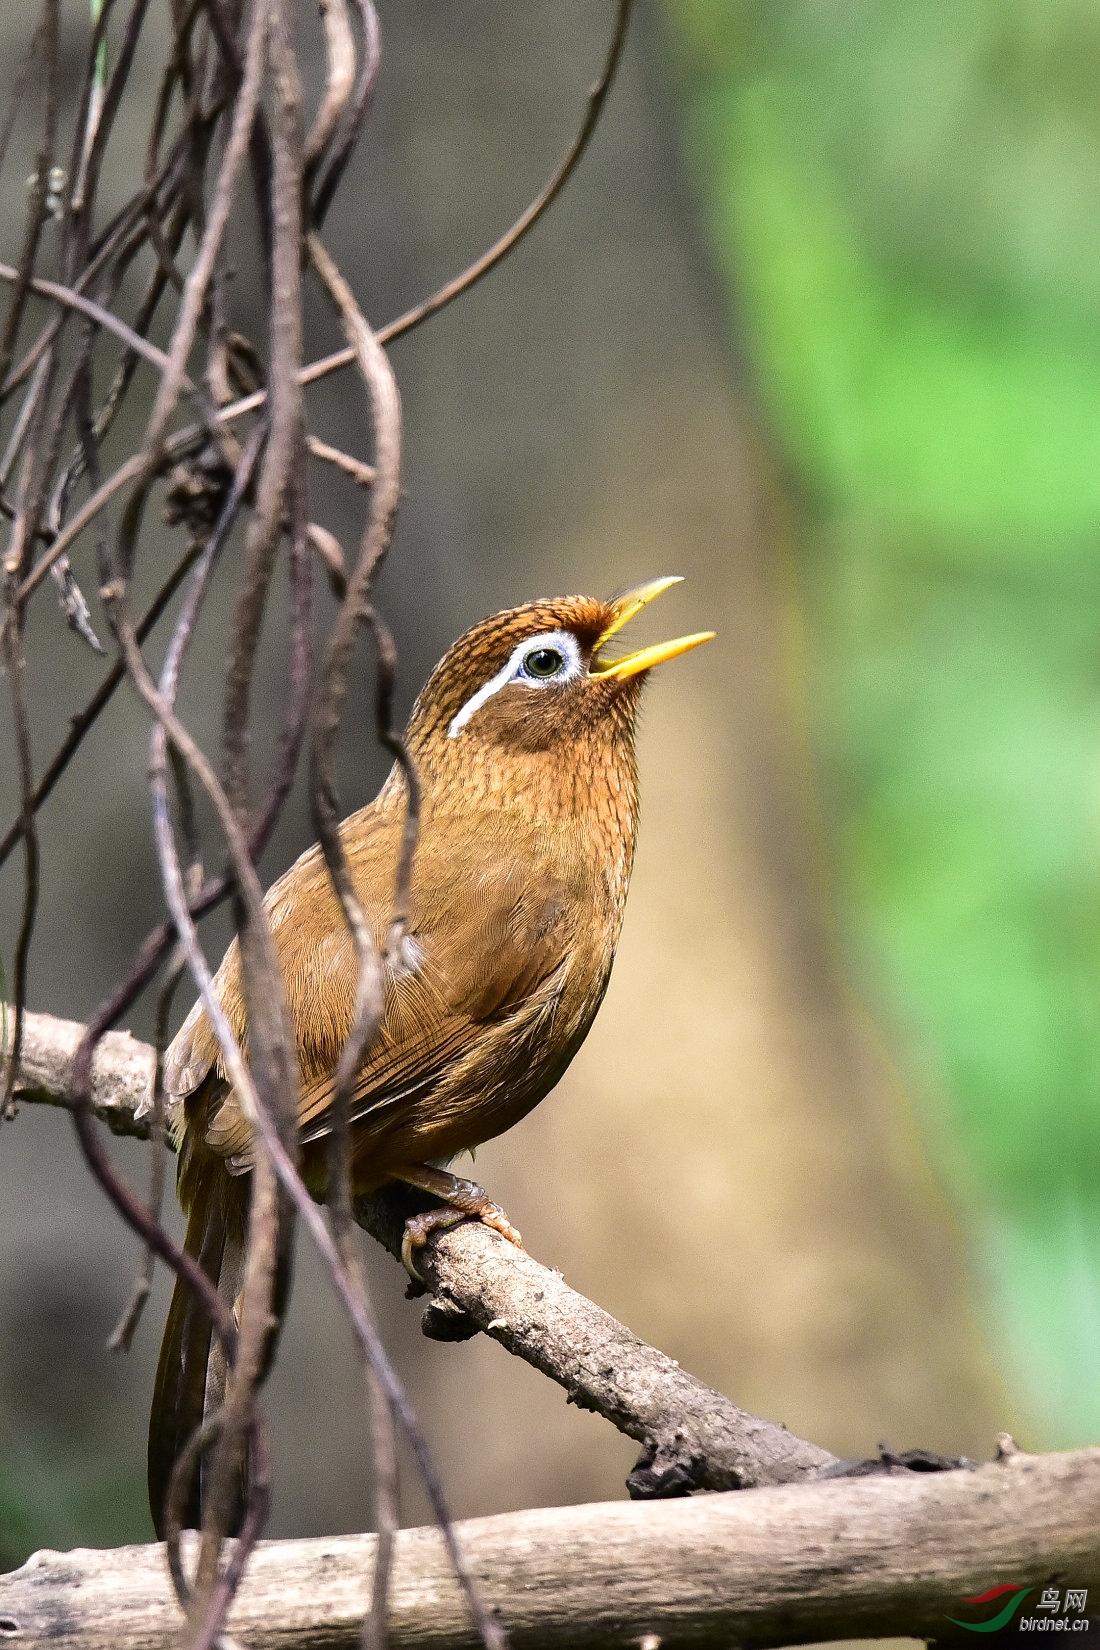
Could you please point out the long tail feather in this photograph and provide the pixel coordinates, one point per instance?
(189, 1378)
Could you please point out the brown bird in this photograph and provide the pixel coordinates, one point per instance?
(523, 740)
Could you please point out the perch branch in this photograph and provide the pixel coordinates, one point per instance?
(693, 1437)
(857, 1558)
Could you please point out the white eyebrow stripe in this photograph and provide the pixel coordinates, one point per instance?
(556, 638)
(476, 700)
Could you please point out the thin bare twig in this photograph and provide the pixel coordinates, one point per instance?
(197, 281)
(278, 481)
(328, 548)
(362, 474)
(127, 366)
(105, 318)
(249, 1534)
(78, 1100)
(11, 651)
(179, 1483)
(25, 517)
(19, 85)
(114, 235)
(45, 433)
(11, 622)
(248, 887)
(94, 135)
(541, 203)
(47, 36)
(298, 679)
(121, 1337)
(340, 50)
(386, 419)
(272, 1059)
(382, 1430)
(253, 1336)
(200, 582)
(94, 506)
(390, 740)
(360, 107)
(90, 107)
(123, 1334)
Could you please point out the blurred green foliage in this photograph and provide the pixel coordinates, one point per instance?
(48, 1500)
(905, 198)
(67, 1448)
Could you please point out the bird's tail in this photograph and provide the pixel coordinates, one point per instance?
(190, 1380)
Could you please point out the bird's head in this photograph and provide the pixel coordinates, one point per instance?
(537, 678)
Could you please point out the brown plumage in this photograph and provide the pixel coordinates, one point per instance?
(524, 743)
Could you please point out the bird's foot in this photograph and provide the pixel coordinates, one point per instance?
(465, 1199)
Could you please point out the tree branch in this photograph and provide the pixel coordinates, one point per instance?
(692, 1436)
(872, 1557)
(122, 1070)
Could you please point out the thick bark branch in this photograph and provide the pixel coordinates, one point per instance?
(693, 1437)
(851, 1558)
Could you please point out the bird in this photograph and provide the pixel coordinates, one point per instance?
(523, 743)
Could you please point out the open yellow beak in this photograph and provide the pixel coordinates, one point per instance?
(623, 609)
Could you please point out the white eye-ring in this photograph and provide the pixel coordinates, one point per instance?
(539, 662)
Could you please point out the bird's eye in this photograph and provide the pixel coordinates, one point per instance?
(543, 663)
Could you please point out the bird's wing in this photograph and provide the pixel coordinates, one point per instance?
(482, 947)
(485, 957)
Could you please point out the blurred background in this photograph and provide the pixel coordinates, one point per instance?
(817, 325)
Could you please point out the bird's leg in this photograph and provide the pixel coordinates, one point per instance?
(462, 1198)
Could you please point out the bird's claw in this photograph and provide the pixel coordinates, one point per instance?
(419, 1228)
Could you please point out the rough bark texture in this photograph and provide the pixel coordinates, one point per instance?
(875, 1557)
